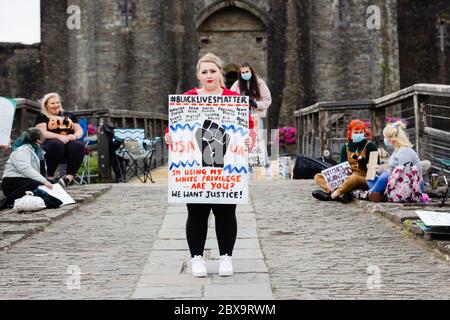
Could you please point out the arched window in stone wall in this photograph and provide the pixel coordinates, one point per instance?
(236, 36)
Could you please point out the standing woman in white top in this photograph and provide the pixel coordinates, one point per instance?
(249, 84)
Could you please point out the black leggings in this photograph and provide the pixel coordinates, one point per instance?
(197, 227)
(57, 152)
(14, 188)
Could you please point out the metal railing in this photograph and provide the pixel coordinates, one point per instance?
(153, 123)
(425, 108)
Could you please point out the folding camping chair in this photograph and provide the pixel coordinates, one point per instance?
(136, 152)
(84, 174)
(445, 165)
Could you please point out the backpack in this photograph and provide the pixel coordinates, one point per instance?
(404, 184)
(306, 167)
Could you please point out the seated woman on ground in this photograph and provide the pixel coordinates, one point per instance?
(23, 170)
(62, 132)
(356, 151)
(394, 137)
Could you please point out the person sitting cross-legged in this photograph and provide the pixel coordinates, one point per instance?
(356, 151)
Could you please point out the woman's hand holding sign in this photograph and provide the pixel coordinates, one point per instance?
(168, 138)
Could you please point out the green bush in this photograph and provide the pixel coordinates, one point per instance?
(93, 164)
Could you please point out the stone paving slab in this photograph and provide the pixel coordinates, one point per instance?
(8, 240)
(213, 291)
(167, 292)
(157, 255)
(241, 278)
(20, 228)
(174, 221)
(157, 280)
(174, 209)
(163, 267)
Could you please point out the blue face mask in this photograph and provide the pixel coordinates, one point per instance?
(246, 76)
(357, 137)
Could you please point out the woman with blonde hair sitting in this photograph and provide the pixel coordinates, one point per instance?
(396, 138)
(61, 132)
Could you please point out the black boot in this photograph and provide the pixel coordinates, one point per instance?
(321, 195)
(345, 197)
(3, 204)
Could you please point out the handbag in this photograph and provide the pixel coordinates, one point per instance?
(29, 202)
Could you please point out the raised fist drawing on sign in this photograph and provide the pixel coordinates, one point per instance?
(213, 141)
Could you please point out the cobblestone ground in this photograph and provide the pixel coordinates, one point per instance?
(329, 250)
(109, 241)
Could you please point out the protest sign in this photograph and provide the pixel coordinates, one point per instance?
(373, 161)
(284, 168)
(434, 218)
(257, 156)
(59, 193)
(7, 110)
(208, 159)
(336, 175)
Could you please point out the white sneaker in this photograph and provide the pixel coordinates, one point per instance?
(225, 266)
(198, 266)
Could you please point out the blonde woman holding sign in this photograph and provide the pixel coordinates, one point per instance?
(209, 73)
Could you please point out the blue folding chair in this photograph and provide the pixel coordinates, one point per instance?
(136, 152)
(85, 176)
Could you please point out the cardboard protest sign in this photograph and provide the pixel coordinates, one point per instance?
(284, 168)
(434, 218)
(336, 175)
(373, 161)
(7, 110)
(257, 156)
(208, 159)
(59, 193)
